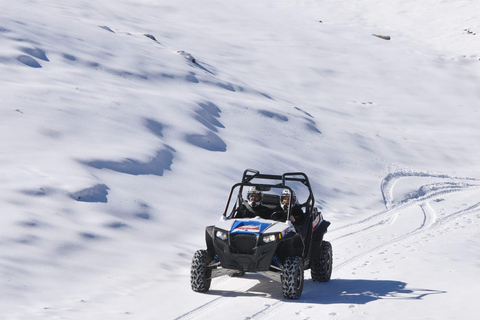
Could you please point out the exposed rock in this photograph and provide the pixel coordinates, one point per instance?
(381, 36)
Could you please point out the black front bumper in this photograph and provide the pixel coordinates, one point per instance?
(244, 254)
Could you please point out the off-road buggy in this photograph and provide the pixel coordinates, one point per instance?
(272, 246)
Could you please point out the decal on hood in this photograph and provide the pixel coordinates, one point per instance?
(249, 226)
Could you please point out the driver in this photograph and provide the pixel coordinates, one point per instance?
(253, 206)
(297, 216)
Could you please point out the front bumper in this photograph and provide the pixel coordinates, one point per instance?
(244, 258)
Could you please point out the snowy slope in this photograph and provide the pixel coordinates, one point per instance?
(123, 125)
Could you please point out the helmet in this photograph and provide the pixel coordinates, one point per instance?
(254, 197)
(286, 196)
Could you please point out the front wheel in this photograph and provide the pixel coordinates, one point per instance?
(321, 268)
(292, 278)
(199, 273)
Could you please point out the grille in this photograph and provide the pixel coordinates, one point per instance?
(243, 243)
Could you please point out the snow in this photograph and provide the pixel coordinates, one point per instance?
(123, 125)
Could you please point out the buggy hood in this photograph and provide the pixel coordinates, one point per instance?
(254, 226)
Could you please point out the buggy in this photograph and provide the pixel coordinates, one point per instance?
(271, 246)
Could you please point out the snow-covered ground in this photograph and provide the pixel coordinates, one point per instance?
(124, 123)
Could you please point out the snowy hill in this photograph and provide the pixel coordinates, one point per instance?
(124, 123)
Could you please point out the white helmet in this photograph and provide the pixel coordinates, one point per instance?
(254, 197)
(286, 196)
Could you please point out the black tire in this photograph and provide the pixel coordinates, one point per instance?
(321, 267)
(292, 278)
(199, 273)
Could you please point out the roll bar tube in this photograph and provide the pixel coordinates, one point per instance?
(250, 174)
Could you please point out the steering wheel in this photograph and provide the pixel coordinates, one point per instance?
(279, 216)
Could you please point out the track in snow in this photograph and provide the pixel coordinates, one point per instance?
(409, 216)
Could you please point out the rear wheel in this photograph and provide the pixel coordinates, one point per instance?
(199, 273)
(292, 277)
(321, 267)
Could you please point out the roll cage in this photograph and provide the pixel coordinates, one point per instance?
(255, 178)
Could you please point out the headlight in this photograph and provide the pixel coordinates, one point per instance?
(269, 238)
(222, 235)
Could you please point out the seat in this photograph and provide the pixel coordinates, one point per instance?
(271, 201)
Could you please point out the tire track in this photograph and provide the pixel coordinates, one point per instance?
(385, 244)
(387, 215)
(192, 314)
(456, 215)
(218, 301)
(391, 179)
(430, 222)
(266, 311)
(430, 214)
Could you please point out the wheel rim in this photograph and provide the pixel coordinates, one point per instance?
(298, 277)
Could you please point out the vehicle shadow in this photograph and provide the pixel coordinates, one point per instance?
(336, 291)
(361, 291)
(263, 287)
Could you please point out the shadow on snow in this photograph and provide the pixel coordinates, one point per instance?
(337, 291)
(361, 291)
(156, 165)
